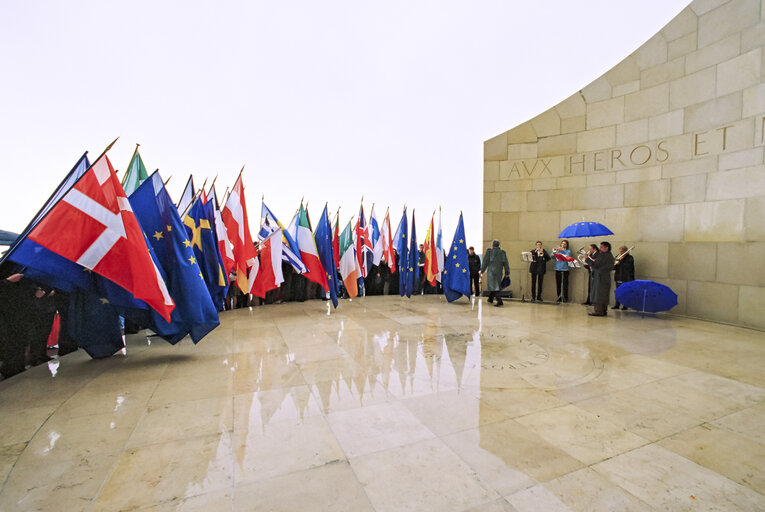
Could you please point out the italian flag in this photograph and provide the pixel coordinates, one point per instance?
(308, 252)
(349, 266)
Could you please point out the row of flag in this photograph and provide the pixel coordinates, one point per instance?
(126, 248)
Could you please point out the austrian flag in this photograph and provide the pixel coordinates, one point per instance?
(94, 226)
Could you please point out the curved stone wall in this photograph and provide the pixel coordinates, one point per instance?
(666, 149)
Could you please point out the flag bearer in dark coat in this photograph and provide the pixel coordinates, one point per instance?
(494, 262)
(474, 264)
(17, 311)
(602, 264)
(624, 270)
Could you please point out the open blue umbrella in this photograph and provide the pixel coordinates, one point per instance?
(646, 296)
(584, 230)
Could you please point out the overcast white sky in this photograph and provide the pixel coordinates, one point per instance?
(330, 100)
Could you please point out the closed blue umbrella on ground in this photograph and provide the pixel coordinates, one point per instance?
(646, 296)
(584, 230)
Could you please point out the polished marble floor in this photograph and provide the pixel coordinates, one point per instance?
(390, 404)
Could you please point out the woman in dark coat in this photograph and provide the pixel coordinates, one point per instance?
(602, 265)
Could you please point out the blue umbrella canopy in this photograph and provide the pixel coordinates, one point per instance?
(646, 296)
(584, 230)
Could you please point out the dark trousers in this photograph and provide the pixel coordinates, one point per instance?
(475, 283)
(536, 285)
(496, 294)
(561, 280)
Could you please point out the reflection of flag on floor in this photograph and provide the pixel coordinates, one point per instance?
(456, 275)
(194, 312)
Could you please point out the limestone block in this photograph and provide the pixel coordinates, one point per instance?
(491, 170)
(660, 223)
(652, 53)
(631, 133)
(754, 212)
(598, 90)
(753, 37)
(665, 125)
(703, 6)
(571, 182)
(712, 301)
(544, 200)
(717, 221)
(488, 225)
(651, 259)
(604, 113)
(739, 73)
(738, 159)
(741, 264)
(522, 133)
(626, 71)
(608, 196)
(720, 139)
(623, 221)
(647, 102)
(599, 138)
(544, 184)
(696, 261)
(640, 174)
(656, 75)
(751, 304)
(692, 89)
(736, 183)
(547, 123)
(754, 101)
(572, 124)
(681, 25)
(688, 189)
(682, 46)
(538, 226)
(518, 151)
(689, 167)
(512, 201)
(568, 217)
(557, 145)
(626, 88)
(713, 54)
(646, 193)
(489, 186)
(513, 185)
(495, 148)
(717, 112)
(491, 202)
(601, 178)
(573, 106)
(735, 16)
(505, 226)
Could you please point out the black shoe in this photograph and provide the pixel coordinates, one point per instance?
(559, 299)
(588, 303)
(596, 314)
(539, 299)
(491, 299)
(499, 305)
(624, 308)
(614, 307)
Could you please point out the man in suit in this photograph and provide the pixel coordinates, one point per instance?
(624, 270)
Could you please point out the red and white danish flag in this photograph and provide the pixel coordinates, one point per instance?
(94, 226)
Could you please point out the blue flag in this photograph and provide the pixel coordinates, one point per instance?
(323, 238)
(205, 245)
(456, 275)
(413, 279)
(194, 313)
(402, 249)
(210, 213)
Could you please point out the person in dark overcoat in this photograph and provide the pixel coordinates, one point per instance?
(474, 264)
(494, 263)
(602, 265)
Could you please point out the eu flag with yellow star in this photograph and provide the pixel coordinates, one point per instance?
(194, 313)
(456, 275)
(205, 245)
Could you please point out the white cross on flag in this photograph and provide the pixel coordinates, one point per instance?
(94, 226)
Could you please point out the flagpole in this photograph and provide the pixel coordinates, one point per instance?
(168, 178)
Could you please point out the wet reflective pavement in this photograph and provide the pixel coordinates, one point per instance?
(390, 404)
